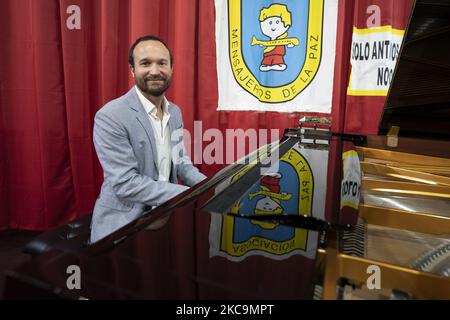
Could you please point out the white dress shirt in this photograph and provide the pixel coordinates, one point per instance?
(162, 135)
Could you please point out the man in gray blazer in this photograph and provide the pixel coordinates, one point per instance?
(135, 137)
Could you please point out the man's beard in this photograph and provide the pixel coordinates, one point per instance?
(145, 85)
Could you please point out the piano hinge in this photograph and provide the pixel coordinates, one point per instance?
(392, 137)
(315, 121)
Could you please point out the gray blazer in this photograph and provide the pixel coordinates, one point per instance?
(125, 145)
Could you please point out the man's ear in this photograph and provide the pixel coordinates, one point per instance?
(132, 70)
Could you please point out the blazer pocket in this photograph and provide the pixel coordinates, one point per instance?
(114, 203)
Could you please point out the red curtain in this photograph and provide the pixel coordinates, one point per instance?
(54, 77)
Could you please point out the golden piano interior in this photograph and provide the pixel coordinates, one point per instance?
(403, 230)
(404, 215)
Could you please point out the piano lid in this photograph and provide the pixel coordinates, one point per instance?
(419, 97)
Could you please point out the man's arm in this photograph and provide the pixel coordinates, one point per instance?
(186, 170)
(119, 163)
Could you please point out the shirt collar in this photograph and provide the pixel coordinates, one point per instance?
(149, 107)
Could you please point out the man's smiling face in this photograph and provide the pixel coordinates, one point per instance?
(152, 70)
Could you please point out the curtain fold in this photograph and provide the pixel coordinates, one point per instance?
(39, 187)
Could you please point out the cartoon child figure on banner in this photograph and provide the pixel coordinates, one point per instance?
(271, 202)
(275, 21)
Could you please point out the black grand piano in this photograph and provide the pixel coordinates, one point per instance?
(319, 215)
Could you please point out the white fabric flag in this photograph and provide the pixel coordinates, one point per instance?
(374, 55)
(276, 55)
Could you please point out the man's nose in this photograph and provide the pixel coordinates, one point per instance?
(154, 69)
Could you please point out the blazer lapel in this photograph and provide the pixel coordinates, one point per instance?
(172, 125)
(142, 118)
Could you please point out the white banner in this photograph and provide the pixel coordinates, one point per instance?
(276, 55)
(374, 55)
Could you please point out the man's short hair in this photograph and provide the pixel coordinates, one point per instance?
(146, 38)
